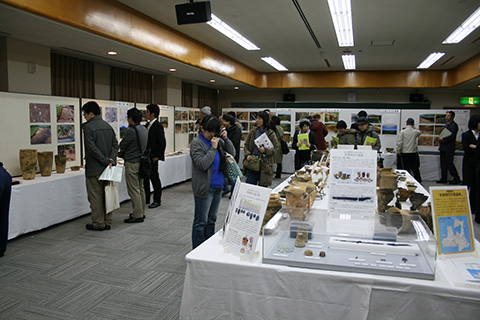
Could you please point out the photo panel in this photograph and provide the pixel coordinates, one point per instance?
(65, 113)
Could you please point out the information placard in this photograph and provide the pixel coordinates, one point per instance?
(452, 220)
(245, 219)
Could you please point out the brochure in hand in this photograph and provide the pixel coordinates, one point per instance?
(303, 139)
(263, 141)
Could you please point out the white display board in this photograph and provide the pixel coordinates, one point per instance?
(184, 127)
(431, 122)
(44, 123)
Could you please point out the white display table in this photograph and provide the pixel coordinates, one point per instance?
(45, 201)
(218, 285)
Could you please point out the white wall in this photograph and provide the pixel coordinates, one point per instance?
(19, 55)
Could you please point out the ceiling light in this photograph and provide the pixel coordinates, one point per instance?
(233, 34)
(212, 80)
(172, 69)
(431, 59)
(472, 23)
(112, 53)
(349, 61)
(236, 88)
(341, 12)
(274, 63)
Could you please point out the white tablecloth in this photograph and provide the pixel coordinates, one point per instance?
(220, 286)
(45, 201)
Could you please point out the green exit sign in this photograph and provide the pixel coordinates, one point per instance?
(470, 100)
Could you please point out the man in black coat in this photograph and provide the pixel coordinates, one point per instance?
(5, 193)
(156, 143)
(447, 150)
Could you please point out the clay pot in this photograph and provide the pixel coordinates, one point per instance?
(384, 196)
(28, 163)
(387, 179)
(403, 194)
(45, 162)
(60, 163)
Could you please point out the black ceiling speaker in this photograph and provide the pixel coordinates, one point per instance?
(193, 12)
(288, 97)
(416, 97)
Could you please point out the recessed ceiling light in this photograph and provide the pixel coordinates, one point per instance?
(349, 61)
(236, 88)
(341, 12)
(233, 34)
(212, 80)
(274, 63)
(467, 27)
(172, 69)
(112, 53)
(431, 59)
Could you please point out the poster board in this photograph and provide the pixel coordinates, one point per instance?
(431, 122)
(452, 220)
(166, 119)
(44, 123)
(184, 126)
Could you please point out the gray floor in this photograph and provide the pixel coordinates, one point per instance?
(130, 272)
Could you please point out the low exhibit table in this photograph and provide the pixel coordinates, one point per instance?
(45, 201)
(220, 285)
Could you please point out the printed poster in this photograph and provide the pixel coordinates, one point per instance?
(245, 219)
(452, 220)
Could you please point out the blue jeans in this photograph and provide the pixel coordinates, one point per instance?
(253, 177)
(205, 216)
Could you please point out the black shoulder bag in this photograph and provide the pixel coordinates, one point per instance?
(145, 162)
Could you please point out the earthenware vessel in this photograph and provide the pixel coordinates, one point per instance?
(60, 163)
(28, 163)
(45, 162)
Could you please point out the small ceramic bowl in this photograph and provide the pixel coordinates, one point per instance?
(411, 187)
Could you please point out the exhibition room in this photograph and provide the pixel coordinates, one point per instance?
(274, 159)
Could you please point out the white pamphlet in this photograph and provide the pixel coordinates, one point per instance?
(245, 219)
(469, 268)
(445, 133)
(263, 141)
(113, 173)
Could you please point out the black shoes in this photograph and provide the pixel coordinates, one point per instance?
(133, 220)
(456, 181)
(154, 205)
(90, 227)
(442, 181)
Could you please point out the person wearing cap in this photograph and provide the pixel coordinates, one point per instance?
(320, 131)
(205, 111)
(366, 135)
(360, 114)
(344, 135)
(407, 148)
(303, 156)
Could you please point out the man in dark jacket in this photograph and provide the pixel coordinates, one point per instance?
(447, 150)
(101, 148)
(156, 143)
(5, 194)
(234, 134)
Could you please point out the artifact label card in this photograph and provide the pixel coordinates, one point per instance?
(353, 182)
(452, 220)
(243, 228)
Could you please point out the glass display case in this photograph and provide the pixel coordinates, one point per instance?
(314, 238)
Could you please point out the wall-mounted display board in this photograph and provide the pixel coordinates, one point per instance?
(185, 129)
(385, 121)
(44, 123)
(166, 119)
(431, 122)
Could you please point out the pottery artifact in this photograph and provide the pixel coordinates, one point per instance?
(308, 253)
(60, 163)
(45, 162)
(28, 163)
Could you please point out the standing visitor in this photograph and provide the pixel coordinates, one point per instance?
(344, 135)
(360, 114)
(234, 134)
(303, 154)
(366, 135)
(264, 176)
(319, 130)
(208, 163)
(278, 158)
(133, 145)
(407, 148)
(156, 144)
(447, 150)
(469, 168)
(101, 148)
(5, 194)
